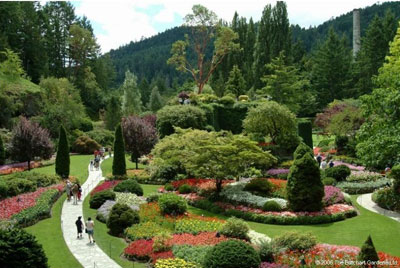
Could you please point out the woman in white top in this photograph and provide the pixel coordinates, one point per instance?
(90, 229)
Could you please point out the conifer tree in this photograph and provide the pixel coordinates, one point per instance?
(155, 103)
(249, 54)
(119, 164)
(113, 113)
(144, 88)
(2, 152)
(62, 158)
(236, 83)
(368, 253)
(132, 103)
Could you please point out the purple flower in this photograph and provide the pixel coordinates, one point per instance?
(353, 167)
(333, 195)
(277, 171)
(272, 265)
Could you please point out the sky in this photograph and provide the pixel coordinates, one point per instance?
(119, 22)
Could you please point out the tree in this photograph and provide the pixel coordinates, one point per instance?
(368, 253)
(236, 83)
(284, 84)
(2, 152)
(119, 164)
(304, 188)
(330, 76)
(12, 66)
(113, 113)
(132, 103)
(144, 88)
(140, 137)
(18, 248)
(380, 131)
(155, 103)
(62, 158)
(205, 28)
(29, 140)
(274, 121)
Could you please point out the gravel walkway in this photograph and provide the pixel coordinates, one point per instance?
(89, 255)
(365, 201)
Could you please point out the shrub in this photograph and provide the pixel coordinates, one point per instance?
(304, 188)
(168, 187)
(259, 186)
(272, 206)
(339, 173)
(209, 206)
(329, 181)
(236, 228)
(362, 187)
(160, 242)
(183, 116)
(368, 252)
(20, 249)
(3, 189)
(227, 100)
(121, 217)
(301, 150)
(19, 186)
(395, 174)
(232, 254)
(119, 162)
(267, 251)
(164, 173)
(172, 204)
(295, 241)
(103, 212)
(387, 199)
(130, 186)
(333, 195)
(189, 253)
(341, 144)
(100, 197)
(104, 137)
(363, 176)
(85, 145)
(153, 197)
(185, 189)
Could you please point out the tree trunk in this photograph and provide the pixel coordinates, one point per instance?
(137, 167)
(200, 85)
(219, 185)
(29, 164)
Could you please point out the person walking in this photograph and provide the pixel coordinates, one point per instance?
(79, 191)
(319, 159)
(323, 164)
(90, 229)
(79, 226)
(75, 190)
(331, 164)
(91, 165)
(68, 190)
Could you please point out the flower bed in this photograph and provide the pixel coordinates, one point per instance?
(28, 208)
(200, 184)
(195, 225)
(105, 186)
(362, 187)
(17, 167)
(333, 195)
(129, 199)
(363, 176)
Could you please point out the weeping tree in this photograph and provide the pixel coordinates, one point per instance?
(140, 137)
(28, 141)
(62, 158)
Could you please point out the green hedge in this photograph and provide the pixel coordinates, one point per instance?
(305, 132)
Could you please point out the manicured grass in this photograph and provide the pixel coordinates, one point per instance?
(48, 232)
(111, 245)
(317, 138)
(385, 232)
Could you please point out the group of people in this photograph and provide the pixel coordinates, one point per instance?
(89, 228)
(324, 163)
(73, 190)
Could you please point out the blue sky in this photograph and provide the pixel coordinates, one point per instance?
(119, 22)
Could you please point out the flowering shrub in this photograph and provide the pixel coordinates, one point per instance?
(103, 212)
(194, 254)
(174, 263)
(333, 195)
(363, 187)
(105, 186)
(277, 171)
(363, 176)
(144, 230)
(195, 225)
(258, 238)
(129, 199)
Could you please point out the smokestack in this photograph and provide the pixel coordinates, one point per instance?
(356, 32)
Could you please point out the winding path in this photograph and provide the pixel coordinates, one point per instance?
(365, 201)
(89, 255)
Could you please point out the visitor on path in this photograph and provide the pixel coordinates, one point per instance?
(75, 190)
(68, 190)
(323, 164)
(91, 165)
(319, 159)
(79, 226)
(331, 164)
(97, 163)
(79, 191)
(90, 230)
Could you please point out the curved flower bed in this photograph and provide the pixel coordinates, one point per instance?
(105, 186)
(17, 167)
(363, 187)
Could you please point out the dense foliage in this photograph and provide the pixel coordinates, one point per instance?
(368, 252)
(99, 198)
(130, 186)
(172, 204)
(62, 158)
(119, 164)
(121, 217)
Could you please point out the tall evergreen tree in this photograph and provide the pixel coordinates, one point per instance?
(119, 164)
(236, 83)
(155, 102)
(113, 113)
(281, 34)
(249, 54)
(368, 253)
(144, 88)
(132, 103)
(330, 76)
(2, 152)
(62, 158)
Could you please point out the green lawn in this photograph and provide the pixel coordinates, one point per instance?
(48, 231)
(106, 165)
(385, 232)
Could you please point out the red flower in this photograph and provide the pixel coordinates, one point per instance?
(105, 186)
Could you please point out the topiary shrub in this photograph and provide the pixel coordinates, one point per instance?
(368, 253)
(271, 206)
(305, 132)
(130, 186)
(304, 187)
(119, 161)
(259, 186)
(99, 198)
(19, 186)
(301, 150)
(232, 254)
(339, 173)
(121, 217)
(329, 181)
(62, 158)
(295, 241)
(172, 204)
(20, 249)
(185, 189)
(236, 228)
(168, 187)
(85, 145)
(153, 197)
